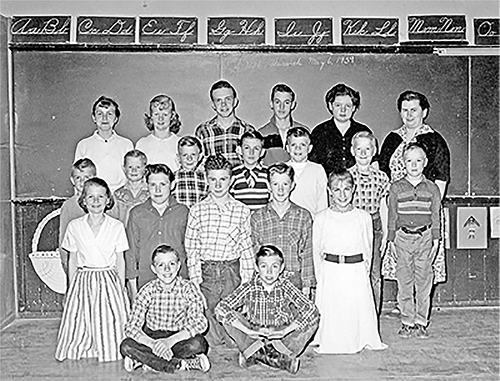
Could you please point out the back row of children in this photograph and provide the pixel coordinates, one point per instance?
(213, 242)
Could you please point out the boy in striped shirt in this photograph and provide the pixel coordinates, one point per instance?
(413, 229)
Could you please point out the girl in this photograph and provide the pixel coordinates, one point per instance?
(342, 249)
(96, 307)
(160, 146)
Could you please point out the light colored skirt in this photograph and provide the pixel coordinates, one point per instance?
(94, 316)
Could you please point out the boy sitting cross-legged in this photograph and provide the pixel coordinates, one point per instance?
(279, 320)
(164, 329)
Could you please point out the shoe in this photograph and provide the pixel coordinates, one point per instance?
(147, 368)
(130, 365)
(200, 362)
(405, 331)
(395, 313)
(242, 361)
(421, 332)
(291, 364)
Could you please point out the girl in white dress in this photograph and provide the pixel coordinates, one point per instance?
(96, 306)
(342, 249)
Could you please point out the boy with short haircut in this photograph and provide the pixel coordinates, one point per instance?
(220, 135)
(218, 243)
(81, 171)
(372, 187)
(250, 184)
(287, 226)
(105, 147)
(190, 182)
(135, 190)
(159, 220)
(310, 178)
(283, 102)
(164, 331)
(413, 228)
(279, 320)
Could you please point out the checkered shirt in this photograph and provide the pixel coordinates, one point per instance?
(281, 306)
(292, 234)
(250, 186)
(167, 310)
(218, 140)
(371, 188)
(219, 233)
(189, 187)
(125, 200)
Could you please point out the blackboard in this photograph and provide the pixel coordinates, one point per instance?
(54, 92)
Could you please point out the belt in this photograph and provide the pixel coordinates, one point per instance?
(344, 258)
(415, 231)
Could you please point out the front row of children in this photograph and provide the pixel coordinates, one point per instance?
(250, 295)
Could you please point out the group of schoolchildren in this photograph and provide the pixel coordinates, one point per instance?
(228, 237)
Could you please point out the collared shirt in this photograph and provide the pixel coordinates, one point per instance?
(219, 233)
(107, 155)
(311, 183)
(125, 200)
(146, 230)
(250, 186)
(281, 306)
(190, 187)
(98, 251)
(292, 234)
(331, 149)
(413, 207)
(371, 188)
(160, 151)
(219, 140)
(176, 309)
(274, 142)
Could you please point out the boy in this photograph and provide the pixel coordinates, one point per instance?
(222, 132)
(371, 189)
(287, 226)
(310, 178)
(190, 183)
(166, 323)
(413, 228)
(279, 320)
(159, 220)
(283, 102)
(105, 147)
(82, 170)
(135, 191)
(250, 184)
(218, 243)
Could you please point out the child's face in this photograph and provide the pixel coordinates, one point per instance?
(363, 151)
(282, 105)
(341, 193)
(281, 187)
(415, 162)
(96, 199)
(134, 169)
(161, 114)
(166, 266)
(299, 148)
(342, 108)
(219, 181)
(105, 118)
(223, 102)
(78, 178)
(251, 151)
(159, 188)
(189, 157)
(269, 269)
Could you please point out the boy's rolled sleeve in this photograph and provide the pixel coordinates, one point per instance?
(247, 258)
(133, 327)
(193, 247)
(306, 254)
(196, 322)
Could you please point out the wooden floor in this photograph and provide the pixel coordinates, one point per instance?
(464, 345)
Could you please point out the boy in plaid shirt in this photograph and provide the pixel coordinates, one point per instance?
(190, 182)
(164, 329)
(270, 320)
(372, 188)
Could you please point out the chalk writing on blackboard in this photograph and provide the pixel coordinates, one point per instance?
(236, 30)
(436, 27)
(370, 31)
(40, 29)
(304, 31)
(168, 30)
(106, 29)
(487, 31)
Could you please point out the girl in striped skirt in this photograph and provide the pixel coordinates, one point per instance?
(96, 307)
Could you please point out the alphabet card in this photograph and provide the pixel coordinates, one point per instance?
(471, 228)
(495, 221)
